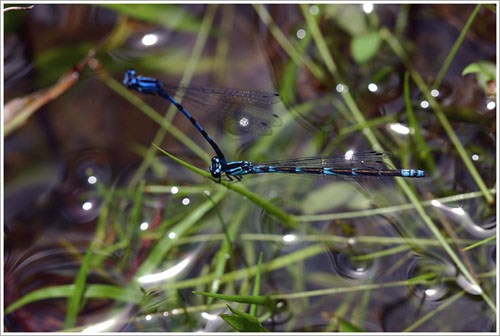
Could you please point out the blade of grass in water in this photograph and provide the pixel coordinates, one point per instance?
(480, 243)
(242, 321)
(78, 289)
(92, 291)
(423, 149)
(171, 16)
(250, 299)
(454, 49)
(256, 286)
(220, 259)
(285, 44)
(432, 313)
(384, 253)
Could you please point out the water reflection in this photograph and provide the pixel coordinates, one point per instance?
(350, 267)
(463, 219)
(372, 87)
(400, 128)
(149, 39)
(368, 7)
(437, 269)
(166, 274)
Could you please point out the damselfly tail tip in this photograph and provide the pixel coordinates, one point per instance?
(412, 173)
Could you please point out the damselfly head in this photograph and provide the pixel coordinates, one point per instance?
(215, 167)
(129, 80)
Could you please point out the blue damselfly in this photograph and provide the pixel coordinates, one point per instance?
(351, 166)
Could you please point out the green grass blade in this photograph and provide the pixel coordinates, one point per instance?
(75, 299)
(220, 259)
(256, 286)
(432, 313)
(241, 324)
(135, 216)
(278, 35)
(423, 149)
(170, 16)
(480, 243)
(250, 299)
(92, 291)
(242, 314)
(347, 326)
(454, 49)
(384, 253)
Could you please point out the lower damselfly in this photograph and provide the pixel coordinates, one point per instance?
(364, 166)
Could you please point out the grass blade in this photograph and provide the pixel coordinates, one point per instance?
(256, 288)
(75, 299)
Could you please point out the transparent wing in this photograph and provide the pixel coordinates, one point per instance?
(242, 111)
(367, 160)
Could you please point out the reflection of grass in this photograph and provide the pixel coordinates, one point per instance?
(234, 203)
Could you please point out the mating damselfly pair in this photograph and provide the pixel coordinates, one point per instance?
(248, 111)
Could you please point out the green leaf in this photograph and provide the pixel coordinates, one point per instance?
(487, 68)
(169, 16)
(322, 200)
(365, 46)
(350, 18)
(485, 72)
(173, 61)
(242, 314)
(241, 324)
(347, 326)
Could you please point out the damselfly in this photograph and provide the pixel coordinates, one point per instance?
(243, 111)
(351, 166)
